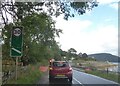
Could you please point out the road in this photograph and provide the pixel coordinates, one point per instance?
(87, 79)
(81, 79)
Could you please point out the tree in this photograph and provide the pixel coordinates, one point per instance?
(63, 53)
(80, 54)
(55, 51)
(6, 38)
(71, 53)
(72, 50)
(19, 10)
(40, 28)
(39, 34)
(84, 55)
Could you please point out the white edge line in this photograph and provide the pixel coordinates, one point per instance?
(78, 81)
(100, 78)
(73, 83)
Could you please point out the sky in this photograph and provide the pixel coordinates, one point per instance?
(94, 32)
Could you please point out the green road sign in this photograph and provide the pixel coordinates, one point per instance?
(16, 42)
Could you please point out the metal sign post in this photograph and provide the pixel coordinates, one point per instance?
(16, 44)
(16, 68)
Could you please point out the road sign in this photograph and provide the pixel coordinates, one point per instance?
(16, 42)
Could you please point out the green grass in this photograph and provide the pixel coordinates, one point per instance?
(29, 76)
(109, 76)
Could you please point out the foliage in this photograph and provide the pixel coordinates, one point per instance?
(55, 51)
(84, 55)
(39, 34)
(6, 37)
(29, 76)
(63, 53)
(19, 10)
(72, 50)
(72, 53)
(41, 28)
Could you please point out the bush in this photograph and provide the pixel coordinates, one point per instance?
(29, 76)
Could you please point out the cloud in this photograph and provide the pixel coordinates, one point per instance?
(114, 5)
(71, 23)
(107, 1)
(106, 38)
(85, 38)
(111, 3)
(102, 39)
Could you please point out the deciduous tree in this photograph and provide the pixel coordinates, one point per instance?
(19, 10)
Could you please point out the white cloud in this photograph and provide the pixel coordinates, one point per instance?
(114, 5)
(107, 1)
(111, 3)
(106, 38)
(76, 35)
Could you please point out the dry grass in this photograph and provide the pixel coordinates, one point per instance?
(96, 64)
(100, 65)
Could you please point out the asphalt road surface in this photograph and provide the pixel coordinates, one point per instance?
(80, 79)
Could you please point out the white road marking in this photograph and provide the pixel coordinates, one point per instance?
(78, 81)
(73, 82)
(99, 78)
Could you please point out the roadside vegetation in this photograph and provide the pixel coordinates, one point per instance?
(109, 76)
(39, 46)
(29, 74)
(97, 68)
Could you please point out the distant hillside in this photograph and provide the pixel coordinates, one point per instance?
(105, 57)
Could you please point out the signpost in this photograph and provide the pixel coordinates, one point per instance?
(16, 44)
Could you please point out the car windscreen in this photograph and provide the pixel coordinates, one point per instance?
(60, 64)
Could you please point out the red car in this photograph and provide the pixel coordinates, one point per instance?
(60, 69)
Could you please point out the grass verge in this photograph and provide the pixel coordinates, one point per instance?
(109, 76)
(28, 76)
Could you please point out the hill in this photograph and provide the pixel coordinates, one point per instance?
(105, 57)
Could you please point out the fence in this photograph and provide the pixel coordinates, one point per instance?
(7, 75)
(10, 74)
